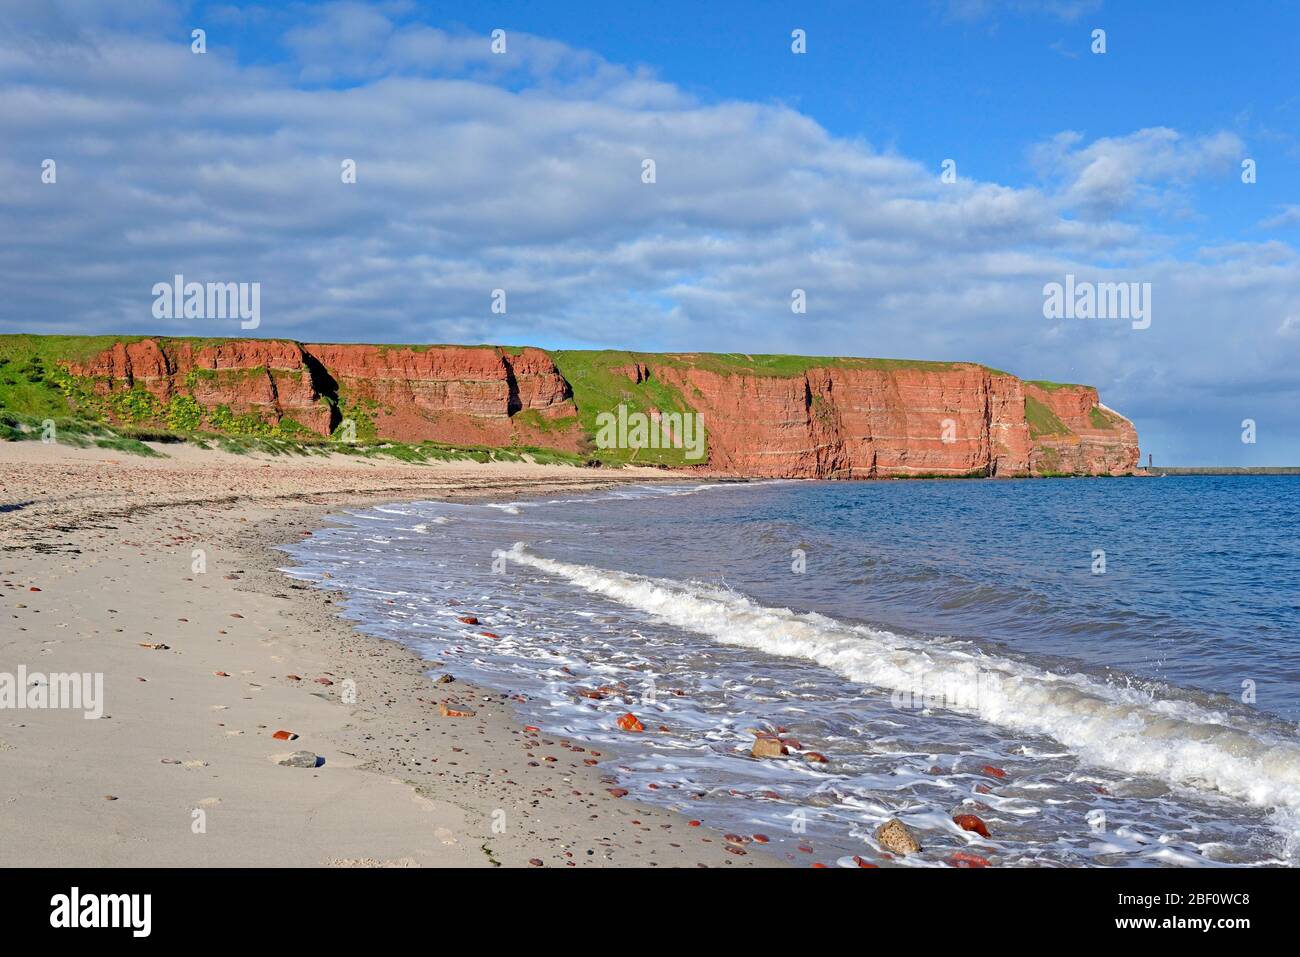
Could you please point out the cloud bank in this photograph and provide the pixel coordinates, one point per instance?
(523, 171)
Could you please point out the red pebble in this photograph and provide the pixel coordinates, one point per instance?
(996, 772)
(962, 859)
(629, 722)
(969, 822)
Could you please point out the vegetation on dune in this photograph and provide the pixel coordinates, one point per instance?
(79, 433)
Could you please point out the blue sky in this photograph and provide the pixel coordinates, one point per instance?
(775, 171)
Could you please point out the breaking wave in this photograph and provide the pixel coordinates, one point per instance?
(1184, 743)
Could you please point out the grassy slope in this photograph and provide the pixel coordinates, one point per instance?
(598, 388)
(1042, 420)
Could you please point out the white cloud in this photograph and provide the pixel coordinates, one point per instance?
(527, 176)
(1286, 217)
(1145, 168)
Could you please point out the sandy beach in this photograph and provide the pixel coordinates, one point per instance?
(203, 664)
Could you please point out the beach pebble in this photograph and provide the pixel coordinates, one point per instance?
(630, 722)
(969, 822)
(448, 711)
(767, 746)
(285, 736)
(895, 836)
(299, 759)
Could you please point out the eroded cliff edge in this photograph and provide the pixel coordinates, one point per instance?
(770, 416)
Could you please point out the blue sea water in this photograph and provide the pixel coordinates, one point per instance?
(1125, 651)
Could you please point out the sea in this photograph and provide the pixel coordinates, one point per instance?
(1105, 671)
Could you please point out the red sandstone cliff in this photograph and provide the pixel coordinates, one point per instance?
(834, 419)
(456, 394)
(265, 377)
(1098, 441)
(836, 422)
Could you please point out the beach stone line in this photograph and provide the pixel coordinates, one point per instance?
(299, 759)
(895, 836)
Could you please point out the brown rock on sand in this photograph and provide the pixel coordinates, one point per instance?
(894, 836)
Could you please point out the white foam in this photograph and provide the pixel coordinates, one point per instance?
(1123, 728)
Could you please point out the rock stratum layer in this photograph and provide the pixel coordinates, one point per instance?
(769, 416)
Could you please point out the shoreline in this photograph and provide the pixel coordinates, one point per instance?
(181, 769)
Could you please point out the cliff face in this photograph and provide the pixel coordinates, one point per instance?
(266, 378)
(787, 417)
(1096, 441)
(833, 422)
(454, 394)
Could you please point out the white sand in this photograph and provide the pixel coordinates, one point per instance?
(108, 539)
